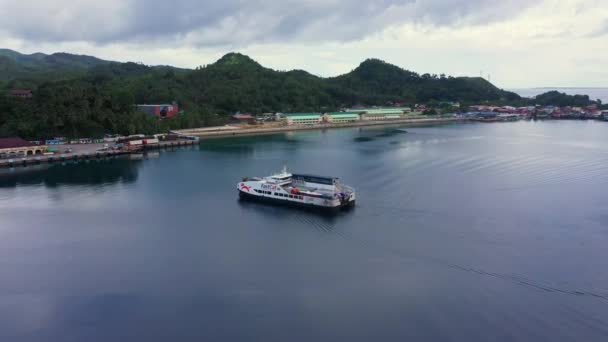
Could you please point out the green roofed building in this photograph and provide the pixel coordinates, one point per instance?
(302, 118)
(382, 113)
(342, 117)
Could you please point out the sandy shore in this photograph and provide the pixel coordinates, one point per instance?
(230, 131)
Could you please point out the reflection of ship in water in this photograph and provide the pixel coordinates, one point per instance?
(111, 170)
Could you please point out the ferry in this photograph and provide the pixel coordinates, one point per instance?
(298, 190)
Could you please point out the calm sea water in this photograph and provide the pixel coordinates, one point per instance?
(465, 232)
(594, 93)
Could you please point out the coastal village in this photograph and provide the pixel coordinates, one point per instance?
(15, 150)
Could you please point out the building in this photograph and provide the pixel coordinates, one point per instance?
(341, 117)
(268, 117)
(56, 141)
(303, 118)
(17, 147)
(22, 93)
(351, 115)
(377, 114)
(160, 110)
(243, 118)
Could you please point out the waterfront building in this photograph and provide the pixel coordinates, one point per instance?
(303, 118)
(17, 147)
(341, 117)
(377, 114)
(243, 118)
(348, 116)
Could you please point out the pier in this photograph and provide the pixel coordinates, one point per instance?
(88, 152)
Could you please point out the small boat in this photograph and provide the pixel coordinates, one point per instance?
(298, 190)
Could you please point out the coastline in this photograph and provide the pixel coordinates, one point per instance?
(90, 151)
(222, 132)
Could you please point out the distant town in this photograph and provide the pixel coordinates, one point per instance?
(15, 149)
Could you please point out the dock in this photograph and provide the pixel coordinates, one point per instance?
(88, 152)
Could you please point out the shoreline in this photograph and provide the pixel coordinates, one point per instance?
(210, 133)
(226, 133)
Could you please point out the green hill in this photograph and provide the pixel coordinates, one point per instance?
(15, 65)
(378, 82)
(82, 95)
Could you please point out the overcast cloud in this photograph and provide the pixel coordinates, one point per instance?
(519, 42)
(230, 22)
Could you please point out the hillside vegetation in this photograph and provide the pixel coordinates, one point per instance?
(85, 96)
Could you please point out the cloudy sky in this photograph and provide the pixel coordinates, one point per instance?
(519, 43)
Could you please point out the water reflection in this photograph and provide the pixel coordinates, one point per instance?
(249, 145)
(298, 219)
(274, 209)
(459, 234)
(89, 172)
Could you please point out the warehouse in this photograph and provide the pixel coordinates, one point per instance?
(383, 114)
(17, 147)
(303, 118)
(376, 114)
(342, 117)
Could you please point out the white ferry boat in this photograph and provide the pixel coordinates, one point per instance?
(298, 189)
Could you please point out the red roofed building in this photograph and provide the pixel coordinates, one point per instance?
(15, 147)
(591, 107)
(246, 118)
(23, 93)
(160, 110)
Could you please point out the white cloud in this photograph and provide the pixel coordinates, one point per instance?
(227, 22)
(520, 43)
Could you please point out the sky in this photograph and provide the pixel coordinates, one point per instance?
(514, 43)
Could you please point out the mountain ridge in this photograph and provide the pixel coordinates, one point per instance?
(85, 96)
(65, 60)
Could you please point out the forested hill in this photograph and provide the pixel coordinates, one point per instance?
(380, 82)
(15, 65)
(98, 96)
(236, 82)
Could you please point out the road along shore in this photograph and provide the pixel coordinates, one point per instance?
(228, 131)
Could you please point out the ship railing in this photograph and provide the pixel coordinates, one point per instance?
(298, 182)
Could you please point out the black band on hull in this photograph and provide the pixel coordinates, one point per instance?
(246, 196)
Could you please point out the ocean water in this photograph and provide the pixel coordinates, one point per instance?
(594, 93)
(462, 232)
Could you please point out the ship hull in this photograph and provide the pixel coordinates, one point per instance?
(280, 202)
